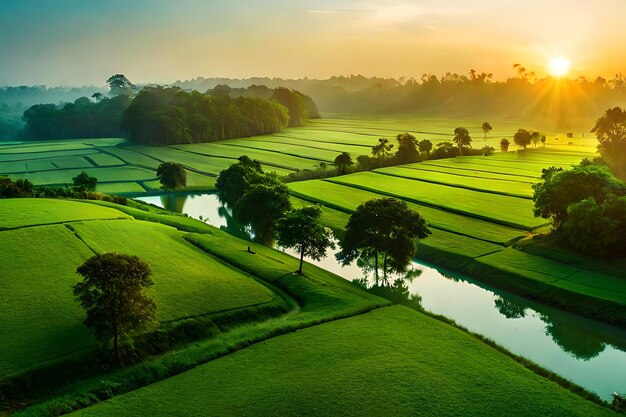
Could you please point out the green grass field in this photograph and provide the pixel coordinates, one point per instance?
(40, 319)
(391, 361)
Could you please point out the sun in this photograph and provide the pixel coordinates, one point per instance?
(559, 67)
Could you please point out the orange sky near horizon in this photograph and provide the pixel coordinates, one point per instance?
(71, 42)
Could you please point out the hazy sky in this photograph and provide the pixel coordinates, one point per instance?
(77, 42)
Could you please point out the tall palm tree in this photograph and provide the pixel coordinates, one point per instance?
(486, 129)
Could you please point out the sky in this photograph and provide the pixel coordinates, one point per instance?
(83, 42)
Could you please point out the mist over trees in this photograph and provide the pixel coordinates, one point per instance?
(453, 95)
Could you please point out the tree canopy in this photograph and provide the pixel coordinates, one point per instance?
(561, 188)
(486, 129)
(383, 229)
(610, 130)
(235, 180)
(300, 229)
(172, 175)
(522, 138)
(462, 138)
(84, 182)
(407, 149)
(343, 161)
(113, 294)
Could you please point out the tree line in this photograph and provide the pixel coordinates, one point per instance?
(168, 115)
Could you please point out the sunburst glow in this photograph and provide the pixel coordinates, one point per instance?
(559, 67)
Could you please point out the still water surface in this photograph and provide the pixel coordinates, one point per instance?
(585, 351)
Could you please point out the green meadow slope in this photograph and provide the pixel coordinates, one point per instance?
(48, 239)
(391, 361)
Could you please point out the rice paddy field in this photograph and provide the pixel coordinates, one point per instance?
(124, 168)
(42, 242)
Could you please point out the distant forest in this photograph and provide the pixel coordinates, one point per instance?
(554, 103)
(475, 95)
(166, 115)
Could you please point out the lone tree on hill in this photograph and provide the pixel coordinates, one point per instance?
(462, 138)
(522, 138)
(383, 228)
(486, 129)
(97, 96)
(113, 294)
(83, 182)
(300, 230)
(172, 175)
(342, 162)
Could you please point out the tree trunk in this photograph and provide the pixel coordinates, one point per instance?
(376, 267)
(385, 269)
(301, 260)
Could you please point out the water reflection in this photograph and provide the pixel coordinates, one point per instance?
(589, 353)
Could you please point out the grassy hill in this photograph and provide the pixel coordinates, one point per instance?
(340, 352)
(49, 239)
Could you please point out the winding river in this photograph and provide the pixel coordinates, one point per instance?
(590, 353)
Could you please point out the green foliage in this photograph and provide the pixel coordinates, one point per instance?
(444, 150)
(383, 229)
(84, 182)
(610, 130)
(234, 181)
(597, 229)
(113, 294)
(462, 139)
(295, 103)
(504, 145)
(262, 204)
(343, 161)
(165, 116)
(381, 149)
(487, 150)
(172, 175)
(562, 188)
(407, 149)
(425, 146)
(15, 189)
(120, 85)
(300, 230)
(81, 119)
(522, 138)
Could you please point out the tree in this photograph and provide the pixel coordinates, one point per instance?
(462, 138)
(486, 129)
(262, 205)
(383, 228)
(342, 162)
(113, 294)
(610, 130)
(407, 149)
(382, 149)
(522, 138)
(504, 145)
(172, 175)
(119, 85)
(487, 150)
(295, 102)
(97, 96)
(535, 137)
(300, 229)
(561, 188)
(543, 140)
(83, 182)
(425, 146)
(235, 180)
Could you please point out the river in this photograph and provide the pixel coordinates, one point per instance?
(587, 352)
